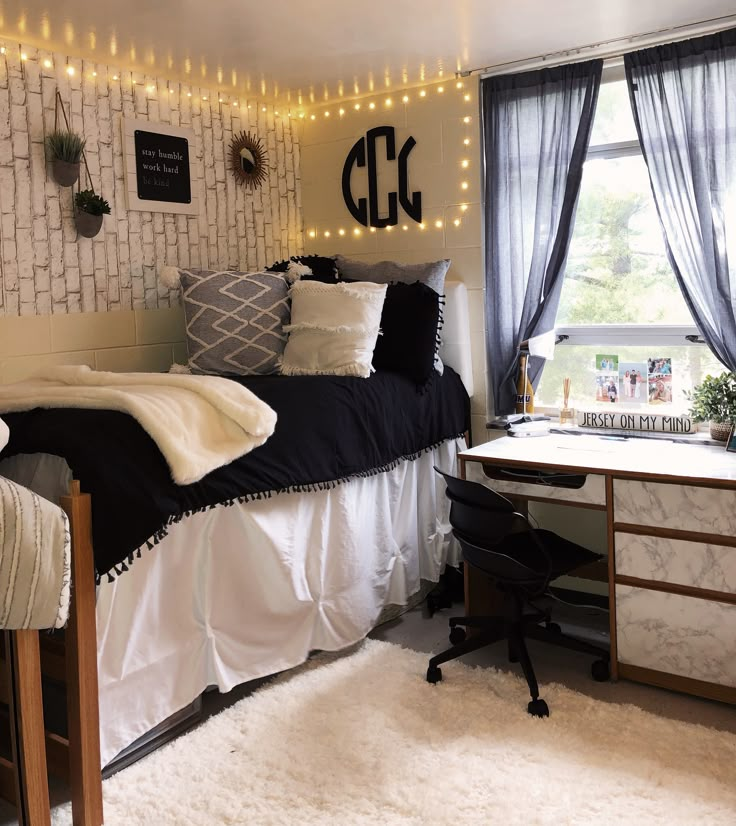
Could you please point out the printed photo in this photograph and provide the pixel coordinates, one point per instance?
(632, 381)
(660, 367)
(606, 388)
(731, 443)
(606, 364)
(660, 389)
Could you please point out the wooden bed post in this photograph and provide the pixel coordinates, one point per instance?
(83, 712)
(27, 734)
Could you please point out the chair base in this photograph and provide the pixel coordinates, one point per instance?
(516, 627)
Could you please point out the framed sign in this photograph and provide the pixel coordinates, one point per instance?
(159, 174)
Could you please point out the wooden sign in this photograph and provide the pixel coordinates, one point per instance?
(651, 422)
(158, 167)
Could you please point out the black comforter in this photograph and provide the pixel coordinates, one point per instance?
(329, 429)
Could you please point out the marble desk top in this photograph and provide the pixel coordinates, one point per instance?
(649, 458)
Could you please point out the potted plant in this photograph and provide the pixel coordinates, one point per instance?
(714, 401)
(65, 148)
(90, 209)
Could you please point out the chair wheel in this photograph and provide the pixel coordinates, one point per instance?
(434, 675)
(538, 708)
(553, 627)
(601, 671)
(457, 635)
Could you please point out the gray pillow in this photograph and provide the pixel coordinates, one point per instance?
(384, 272)
(235, 321)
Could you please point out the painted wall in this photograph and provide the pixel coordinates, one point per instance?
(45, 268)
(444, 166)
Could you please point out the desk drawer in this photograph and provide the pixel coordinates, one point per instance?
(680, 507)
(697, 564)
(592, 491)
(675, 634)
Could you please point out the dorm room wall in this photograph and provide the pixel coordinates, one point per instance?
(445, 166)
(123, 318)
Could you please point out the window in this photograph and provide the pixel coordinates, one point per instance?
(619, 294)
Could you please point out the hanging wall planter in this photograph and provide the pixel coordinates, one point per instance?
(90, 211)
(65, 149)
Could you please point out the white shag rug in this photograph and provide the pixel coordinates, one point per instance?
(363, 739)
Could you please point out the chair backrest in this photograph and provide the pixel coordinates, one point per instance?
(482, 520)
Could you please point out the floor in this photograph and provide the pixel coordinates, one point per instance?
(417, 630)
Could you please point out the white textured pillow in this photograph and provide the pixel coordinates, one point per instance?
(333, 328)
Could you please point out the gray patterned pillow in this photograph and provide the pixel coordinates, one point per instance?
(385, 272)
(235, 321)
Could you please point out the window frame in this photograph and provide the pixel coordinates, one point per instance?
(624, 334)
(620, 335)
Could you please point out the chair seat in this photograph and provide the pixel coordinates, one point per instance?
(565, 555)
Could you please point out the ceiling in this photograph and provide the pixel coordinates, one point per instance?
(318, 50)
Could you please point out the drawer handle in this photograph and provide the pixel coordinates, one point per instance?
(536, 477)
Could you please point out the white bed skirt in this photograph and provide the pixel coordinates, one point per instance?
(241, 592)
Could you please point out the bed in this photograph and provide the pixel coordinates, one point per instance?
(299, 548)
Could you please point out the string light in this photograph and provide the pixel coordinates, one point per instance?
(341, 232)
(357, 106)
(464, 185)
(371, 105)
(94, 74)
(456, 222)
(466, 98)
(373, 229)
(313, 117)
(151, 88)
(405, 99)
(47, 64)
(312, 233)
(466, 119)
(23, 56)
(459, 84)
(464, 207)
(388, 101)
(115, 77)
(70, 70)
(327, 233)
(465, 164)
(327, 114)
(422, 94)
(467, 141)
(342, 112)
(356, 232)
(404, 227)
(263, 108)
(189, 94)
(2, 49)
(438, 224)
(440, 89)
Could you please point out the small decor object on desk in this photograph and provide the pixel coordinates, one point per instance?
(567, 414)
(65, 149)
(90, 209)
(714, 401)
(524, 389)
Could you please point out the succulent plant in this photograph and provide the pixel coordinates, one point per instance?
(87, 201)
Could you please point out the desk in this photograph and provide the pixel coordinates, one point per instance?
(671, 523)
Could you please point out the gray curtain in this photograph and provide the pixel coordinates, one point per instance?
(536, 130)
(684, 101)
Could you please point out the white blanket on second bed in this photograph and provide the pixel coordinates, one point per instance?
(199, 423)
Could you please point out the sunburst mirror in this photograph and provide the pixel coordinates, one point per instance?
(248, 160)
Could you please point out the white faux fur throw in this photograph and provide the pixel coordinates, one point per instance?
(198, 422)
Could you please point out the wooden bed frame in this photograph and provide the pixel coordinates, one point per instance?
(71, 660)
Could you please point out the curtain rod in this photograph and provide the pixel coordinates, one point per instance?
(607, 49)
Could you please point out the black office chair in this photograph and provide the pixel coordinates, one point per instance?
(522, 561)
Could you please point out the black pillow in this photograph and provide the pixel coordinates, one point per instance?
(323, 268)
(410, 324)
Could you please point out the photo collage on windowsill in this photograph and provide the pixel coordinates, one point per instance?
(633, 383)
